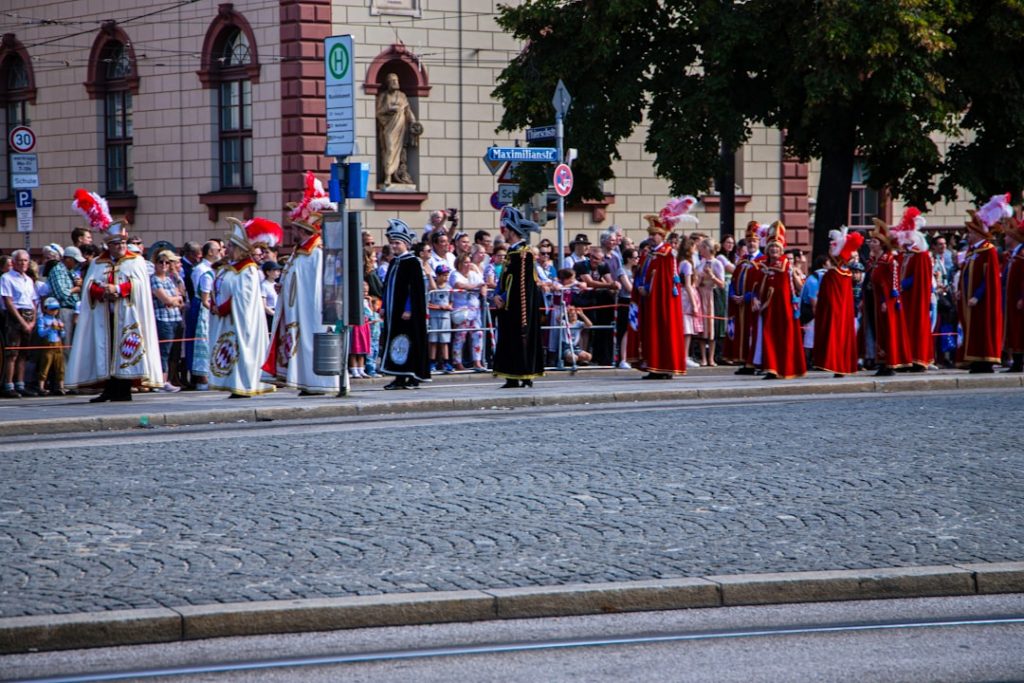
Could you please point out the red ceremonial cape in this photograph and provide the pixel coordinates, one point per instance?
(782, 347)
(1014, 341)
(657, 343)
(917, 305)
(983, 323)
(742, 324)
(835, 335)
(890, 331)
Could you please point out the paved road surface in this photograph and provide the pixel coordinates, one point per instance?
(510, 498)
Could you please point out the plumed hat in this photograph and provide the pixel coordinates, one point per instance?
(94, 209)
(987, 220)
(884, 235)
(676, 211)
(257, 230)
(777, 234)
(399, 230)
(307, 213)
(513, 219)
(908, 232)
(843, 244)
(754, 230)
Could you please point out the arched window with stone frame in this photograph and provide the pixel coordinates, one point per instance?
(114, 80)
(17, 93)
(230, 67)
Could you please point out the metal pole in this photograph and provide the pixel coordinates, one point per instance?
(559, 130)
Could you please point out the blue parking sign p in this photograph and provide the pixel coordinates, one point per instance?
(23, 199)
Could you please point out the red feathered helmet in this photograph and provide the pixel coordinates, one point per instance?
(93, 208)
(256, 231)
(307, 213)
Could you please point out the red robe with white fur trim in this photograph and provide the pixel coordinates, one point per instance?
(916, 283)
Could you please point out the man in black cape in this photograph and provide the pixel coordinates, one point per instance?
(519, 355)
(405, 313)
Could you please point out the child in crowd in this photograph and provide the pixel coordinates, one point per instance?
(372, 308)
(575, 323)
(268, 288)
(360, 340)
(51, 331)
(439, 305)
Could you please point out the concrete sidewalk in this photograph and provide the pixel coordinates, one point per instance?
(53, 415)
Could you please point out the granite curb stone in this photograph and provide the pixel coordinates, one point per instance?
(356, 406)
(857, 584)
(131, 627)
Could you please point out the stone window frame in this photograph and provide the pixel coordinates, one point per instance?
(99, 85)
(212, 76)
(20, 98)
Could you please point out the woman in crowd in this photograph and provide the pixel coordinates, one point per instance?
(630, 260)
(468, 286)
(710, 277)
(693, 323)
(167, 307)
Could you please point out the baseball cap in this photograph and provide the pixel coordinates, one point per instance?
(75, 253)
(442, 269)
(270, 265)
(50, 303)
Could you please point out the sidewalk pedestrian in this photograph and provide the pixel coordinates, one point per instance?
(980, 289)
(405, 312)
(835, 331)
(115, 342)
(168, 303)
(238, 326)
(519, 355)
(1013, 278)
(779, 353)
(51, 359)
(654, 342)
(19, 297)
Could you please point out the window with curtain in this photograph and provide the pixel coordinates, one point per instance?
(235, 112)
(117, 119)
(15, 96)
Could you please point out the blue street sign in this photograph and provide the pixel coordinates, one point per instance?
(538, 154)
(23, 199)
(541, 133)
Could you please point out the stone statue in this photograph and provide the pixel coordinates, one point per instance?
(397, 130)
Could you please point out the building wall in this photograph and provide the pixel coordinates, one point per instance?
(175, 131)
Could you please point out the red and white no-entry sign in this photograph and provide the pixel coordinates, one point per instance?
(563, 180)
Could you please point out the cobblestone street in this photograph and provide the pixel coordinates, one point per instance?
(587, 494)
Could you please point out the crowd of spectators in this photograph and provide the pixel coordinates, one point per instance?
(586, 292)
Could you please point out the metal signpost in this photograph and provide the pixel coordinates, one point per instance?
(561, 102)
(24, 177)
(338, 244)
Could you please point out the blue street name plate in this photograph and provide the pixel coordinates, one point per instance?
(541, 133)
(536, 154)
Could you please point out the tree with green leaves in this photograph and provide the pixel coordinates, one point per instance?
(881, 80)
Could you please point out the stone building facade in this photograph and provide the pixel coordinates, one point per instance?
(182, 114)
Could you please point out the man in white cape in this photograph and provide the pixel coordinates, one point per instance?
(238, 324)
(115, 342)
(298, 314)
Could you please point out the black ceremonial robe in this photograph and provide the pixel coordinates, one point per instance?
(404, 342)
(519, 353)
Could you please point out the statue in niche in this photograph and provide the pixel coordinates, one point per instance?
(397, 131)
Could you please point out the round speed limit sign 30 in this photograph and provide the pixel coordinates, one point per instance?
(22, 139)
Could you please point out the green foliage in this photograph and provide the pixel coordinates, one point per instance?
(881, 79)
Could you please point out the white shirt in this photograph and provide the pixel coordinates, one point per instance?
(20, 288)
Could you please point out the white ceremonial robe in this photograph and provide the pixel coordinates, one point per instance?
(117, 338)
(296, 319)
(238, 331)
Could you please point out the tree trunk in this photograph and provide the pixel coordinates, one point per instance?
(833, 207)
(726, 183)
